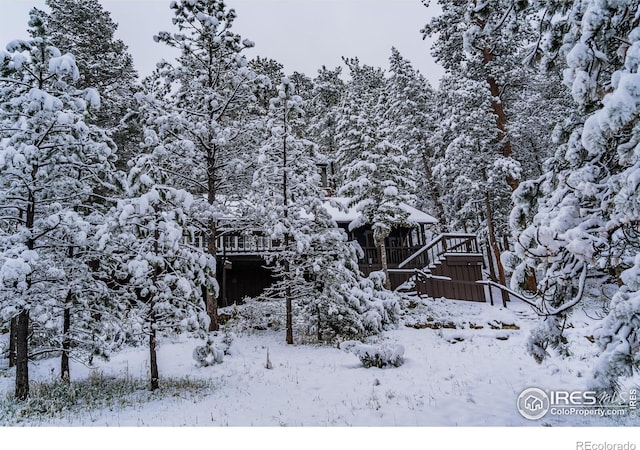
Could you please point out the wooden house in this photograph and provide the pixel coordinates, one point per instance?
(446, 266)
(401, 243)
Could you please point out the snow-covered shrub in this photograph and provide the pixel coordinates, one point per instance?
(348, 307)
(618, 336)
(214, 349)
(383, 307)
(255, 314)
(381, 355)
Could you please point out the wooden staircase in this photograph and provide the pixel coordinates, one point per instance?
(449, 266)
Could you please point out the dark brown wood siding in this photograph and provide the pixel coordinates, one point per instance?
(247, 277)
(455, 278)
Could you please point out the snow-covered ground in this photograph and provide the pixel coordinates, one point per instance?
(465, 365)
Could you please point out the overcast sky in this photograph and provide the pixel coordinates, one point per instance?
(303, 35)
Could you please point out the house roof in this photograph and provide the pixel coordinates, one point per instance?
(351, 213)
(344, 214)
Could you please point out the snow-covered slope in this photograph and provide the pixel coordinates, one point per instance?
(465, 365)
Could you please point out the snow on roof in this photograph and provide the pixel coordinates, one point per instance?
(234, 209)
(349, 214)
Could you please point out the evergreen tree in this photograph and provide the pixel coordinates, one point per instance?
(315, 265)
(196, 112)
(481, 43)
(578, 221)
(341, 304)
(51, 163)
(481, 40)
(85, 29)
(323, 113)
(354, 127)
(273, 72)
(411, 113)
(143, 243)
(373, 169)
(285, 180)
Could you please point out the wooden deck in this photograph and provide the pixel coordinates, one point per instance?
(453, 267)
(448, 266)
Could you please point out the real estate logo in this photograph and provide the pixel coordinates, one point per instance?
(533, 403)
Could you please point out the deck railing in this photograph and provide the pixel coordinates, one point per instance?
(395, 255)
(257, 244)
(237, 244)
(447, 243)
(401, 257)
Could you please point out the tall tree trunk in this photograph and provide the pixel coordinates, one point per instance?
(434, 192)
(210, 299)
(383, 261)
(13, 330)
(22, 327)
(501, 115)
(319, 336)
(287, 237)
(22, 356)
(289, 309)
(65, 372)
(495, 247)
(287, 295)
(530, 281)
(153, 357)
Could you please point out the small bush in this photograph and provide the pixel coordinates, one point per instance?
(383, 355)
(213, 351)
(255, 315)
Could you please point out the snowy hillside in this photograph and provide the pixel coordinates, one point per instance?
(464, 366)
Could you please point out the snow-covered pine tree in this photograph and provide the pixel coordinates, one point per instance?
(481, 41)
(353, 125)
(470, 169)
(51, 164)
(466, 137)
(145, 250)
(411, 112)
(283, 182)
(579, 221)
(272, 70)
(323, 113)
(303, 85)
(316, 267)
(342, 304)
(84, 29)
(198, 116)
(374, 171)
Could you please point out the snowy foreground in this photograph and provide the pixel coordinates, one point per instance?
(470, 375)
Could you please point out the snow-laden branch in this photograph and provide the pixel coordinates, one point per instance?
(11, 80)
(576, 299)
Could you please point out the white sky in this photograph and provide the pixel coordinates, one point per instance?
(303, 35)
